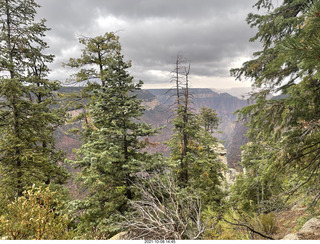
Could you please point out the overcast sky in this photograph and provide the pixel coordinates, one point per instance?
(213, 34)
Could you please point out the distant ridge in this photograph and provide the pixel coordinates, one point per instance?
(239, 92)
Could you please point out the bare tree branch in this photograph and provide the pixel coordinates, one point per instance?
(249, 228)
(166, 212)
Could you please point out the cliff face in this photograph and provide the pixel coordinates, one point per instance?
(230, 173)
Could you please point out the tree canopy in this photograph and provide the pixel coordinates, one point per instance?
(286, 127)
(28, 117)
(111, 155)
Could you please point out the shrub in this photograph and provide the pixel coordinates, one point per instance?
(266, 223)
(34, 216)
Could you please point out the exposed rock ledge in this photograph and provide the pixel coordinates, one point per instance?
(309, 231)
(149, 105)
(119, 236)
(230, 174)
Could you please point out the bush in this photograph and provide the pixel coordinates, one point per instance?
(266, 223)
(225, 231)
(34, 216)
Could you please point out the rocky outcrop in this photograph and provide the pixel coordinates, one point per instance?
(119, 236)
(230, 173)
(221, 151)
(309, 231)
(150, 105)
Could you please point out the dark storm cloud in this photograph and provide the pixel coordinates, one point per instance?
(213, 34)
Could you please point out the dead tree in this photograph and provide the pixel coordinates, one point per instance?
(164, 212)
(183, 113)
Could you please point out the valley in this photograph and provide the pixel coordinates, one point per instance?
(158, 113)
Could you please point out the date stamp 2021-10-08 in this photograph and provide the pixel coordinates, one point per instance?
(159, 241)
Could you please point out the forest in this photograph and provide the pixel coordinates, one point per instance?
(130, 192)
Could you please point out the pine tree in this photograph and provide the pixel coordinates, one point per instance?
(183, 123)
(256, 190)
(207, 170)
(192, 144)
(28, 119)
(92, 69)
(287, 126)
(111, 155)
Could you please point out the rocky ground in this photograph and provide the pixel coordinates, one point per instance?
(309, 231)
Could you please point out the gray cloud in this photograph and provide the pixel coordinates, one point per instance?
(213, 34)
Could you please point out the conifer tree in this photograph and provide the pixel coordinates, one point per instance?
(183, 123)
(111, 155)
(288, 126)
(192, 144)
(92, 68)
(207, 170)
(257, 188)
(28, 119)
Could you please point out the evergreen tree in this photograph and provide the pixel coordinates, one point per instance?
(92, 69)
(192, 144)
(288, 126)
(111, 155)
(206, 172)
(257, 188)
(28, 119)
(184, 123)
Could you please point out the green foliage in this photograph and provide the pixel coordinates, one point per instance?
(111, 155)
(265, 223)
(192, 151)
(283, 157)
(192, 145)
(27, 103)
(34, 216)
(209, 119)
(93, 68)
(223, 230)
(99, 51)
(259, 188)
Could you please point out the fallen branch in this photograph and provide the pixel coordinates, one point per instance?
(251, 229)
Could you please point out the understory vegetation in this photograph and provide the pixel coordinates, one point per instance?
(125, 188)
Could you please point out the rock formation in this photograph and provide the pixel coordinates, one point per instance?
(229, 173)
(309, 231)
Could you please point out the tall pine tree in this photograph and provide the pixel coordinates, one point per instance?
(28, 119)
(288, 126)
(111, 155)
(192, 145)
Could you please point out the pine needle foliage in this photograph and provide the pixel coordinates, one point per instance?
(27, 102)
(195, 161)
(111, 155)
(286, 128)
